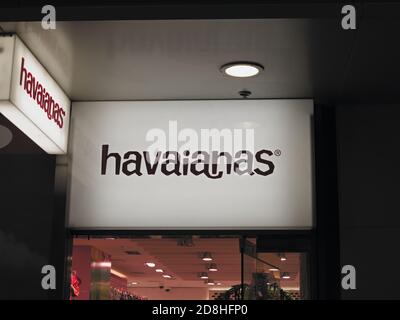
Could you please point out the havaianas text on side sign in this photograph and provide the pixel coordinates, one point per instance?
(38, 93)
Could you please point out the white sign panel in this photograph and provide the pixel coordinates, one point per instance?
(31, 99)
(237, 164)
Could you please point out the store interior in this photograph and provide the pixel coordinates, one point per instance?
(182, 268)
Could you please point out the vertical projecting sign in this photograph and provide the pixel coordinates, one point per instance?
(31, 99)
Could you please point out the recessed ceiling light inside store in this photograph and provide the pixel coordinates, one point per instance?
(203, 275)
(210, 282)
(213, 267)
(207, 256)
(282, 256)
(242, 69)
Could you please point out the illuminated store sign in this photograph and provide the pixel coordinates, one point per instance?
(226, 164)
(31, 99)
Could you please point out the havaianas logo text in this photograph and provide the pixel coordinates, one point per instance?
(43, 98)
(186, 154)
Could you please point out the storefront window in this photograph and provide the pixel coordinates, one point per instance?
(183, 268)
(280, 276)
(273, 275)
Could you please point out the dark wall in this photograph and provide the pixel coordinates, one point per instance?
(327, 260)
(369, 197)
(27, 218)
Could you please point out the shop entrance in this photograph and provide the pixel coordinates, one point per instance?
(194, 267)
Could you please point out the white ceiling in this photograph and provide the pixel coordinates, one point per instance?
(173, 59)
(179, 59)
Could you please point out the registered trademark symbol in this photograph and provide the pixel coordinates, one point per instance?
(277, 152)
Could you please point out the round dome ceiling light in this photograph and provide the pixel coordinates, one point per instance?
(242, 69)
